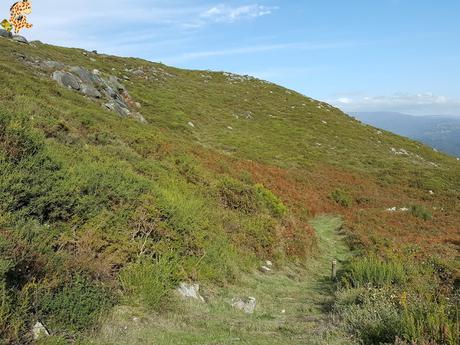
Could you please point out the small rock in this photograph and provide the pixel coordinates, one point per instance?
(191, 124)
(431, 192)
(67, 79)
(268, 263)
(190, 291)
(4, 33)
(20, 39)
(247, 305)
(283, 311)
(265, 269)
(39, 331)
(230, 128)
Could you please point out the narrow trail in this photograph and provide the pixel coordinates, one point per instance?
(292, 308)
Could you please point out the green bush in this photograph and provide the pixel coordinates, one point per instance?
(149, 281)
(373, 271)
(271, 201)
(75, 306)
(380, 302)
(429, 318)
(341, 197)
(236, 195)
(375, 319)
(420, 212)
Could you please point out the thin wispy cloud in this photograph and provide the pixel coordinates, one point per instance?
(425, 103)
(228, 14)
(253, 49)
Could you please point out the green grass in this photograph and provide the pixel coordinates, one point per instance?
(303, 293)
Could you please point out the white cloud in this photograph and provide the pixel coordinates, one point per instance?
(418, 104)
(104, 23)
(228, 14)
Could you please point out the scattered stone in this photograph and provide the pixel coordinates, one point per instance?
(191, 124)
(67, 79)
(247, 305)
(190, 291)
(6, 34)
(268, 263)
(39, 331)
(20, 39)
(230, 128)
(431, 192)
(265, 269)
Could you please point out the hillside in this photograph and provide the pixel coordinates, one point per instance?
(439, 132)
(122, 177)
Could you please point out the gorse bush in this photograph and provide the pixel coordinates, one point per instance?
(75, 306)
(150, 280)
(420, 212)
(373, 317)
(271, 201)
(373, 271)
(236, 195)
(381, 301)
(341, 197)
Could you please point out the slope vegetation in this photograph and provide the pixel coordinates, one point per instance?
(191, 175)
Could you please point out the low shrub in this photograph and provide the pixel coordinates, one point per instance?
(75, 306)
(271, 201)
(373, 271)
(375, 319)
(420, 212)
(341, 197)
(149, 281)
(236, 195)
(380, 302)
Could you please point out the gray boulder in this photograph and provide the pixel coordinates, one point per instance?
(247, 305)
(39, 331)
(50, 64)
(111, 93)
(85, 75)
(118, 107)
(20, 39)
(191, 291)
(67, 79)
(114, 83)
(90, 91)
(4, 33)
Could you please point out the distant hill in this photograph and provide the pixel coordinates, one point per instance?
(440, 132)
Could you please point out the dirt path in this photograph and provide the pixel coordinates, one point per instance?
(292, 308)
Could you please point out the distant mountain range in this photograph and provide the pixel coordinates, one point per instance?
(440, 132)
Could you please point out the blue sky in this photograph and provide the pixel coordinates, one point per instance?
(390, 55)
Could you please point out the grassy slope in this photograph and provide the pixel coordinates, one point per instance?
(303, 294)
(103, 173)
